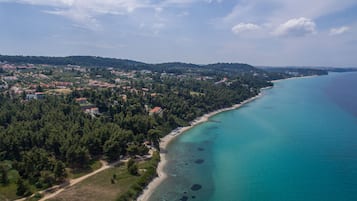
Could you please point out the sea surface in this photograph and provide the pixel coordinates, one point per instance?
(296, 143)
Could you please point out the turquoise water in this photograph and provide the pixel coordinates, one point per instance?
(296, 143)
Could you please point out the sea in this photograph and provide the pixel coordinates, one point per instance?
(298, 142)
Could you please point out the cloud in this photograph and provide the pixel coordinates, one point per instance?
(338, 31)
(275, 10)
(243, 27)
(296, 27)
(212, 1)
(85, 13)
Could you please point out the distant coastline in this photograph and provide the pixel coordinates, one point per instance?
(291, 78)
(165, 141)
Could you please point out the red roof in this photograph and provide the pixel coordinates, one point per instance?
(155, 110)
(81, 99)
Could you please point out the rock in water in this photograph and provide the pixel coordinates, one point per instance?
(196, 187)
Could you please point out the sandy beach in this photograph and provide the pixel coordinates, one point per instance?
(292, 78)
(169, 138)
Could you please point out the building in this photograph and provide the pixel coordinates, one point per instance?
(36, 96)
(3, 85)
(155, 110)
(93, 111)
(81, 101)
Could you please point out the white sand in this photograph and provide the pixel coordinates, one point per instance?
(292, 78)
(169, 138)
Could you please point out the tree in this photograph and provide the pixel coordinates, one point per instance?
(39, 88)
(59, 170)
(112, 149)
(4, 179)
(78, 156)
(154, 137)
(22, 188)
(132, 167)
(47, 178)
(116, 145)
(132, 150)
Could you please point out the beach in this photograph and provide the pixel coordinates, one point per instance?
(165, 141)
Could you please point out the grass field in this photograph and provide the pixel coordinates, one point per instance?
(193, 93)
(60, 91)
(8, 192)
(102, 186)
(99, 186)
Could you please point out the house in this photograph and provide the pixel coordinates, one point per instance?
(39, 95)
(30, 96)
(81, 101)
(3, 85)
(92, 111)
(124, 97)
(35, 96)
(10, 78)
(155, 110)
(62, 85)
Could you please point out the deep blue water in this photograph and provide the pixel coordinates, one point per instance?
(296, 143)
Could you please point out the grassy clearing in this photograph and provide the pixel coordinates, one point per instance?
(193, 93)
(99, 186)
(8, 192)
(102, 187)
(60, 91)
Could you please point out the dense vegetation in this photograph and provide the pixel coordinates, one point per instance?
(73, 60)
(92, 61)
(41, 139)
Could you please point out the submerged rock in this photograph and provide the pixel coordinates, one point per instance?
(196, 187)
(184, 198)
(199, 161)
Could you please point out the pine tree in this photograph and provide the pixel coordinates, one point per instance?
(59, 170)
(4, 175)
(21, 187)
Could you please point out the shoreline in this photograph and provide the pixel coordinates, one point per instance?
(165, 141)
(293, 78)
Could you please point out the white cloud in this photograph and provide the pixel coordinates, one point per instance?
(338, 31)
(85, 12)
(212, 1)
(296, 27)
(276, 10)
(243, 27)
(182, 3)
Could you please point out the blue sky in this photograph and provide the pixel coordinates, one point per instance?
(258, 32)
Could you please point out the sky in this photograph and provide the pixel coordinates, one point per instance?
(257, 32)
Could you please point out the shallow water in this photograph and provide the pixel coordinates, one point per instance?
(297, 142)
